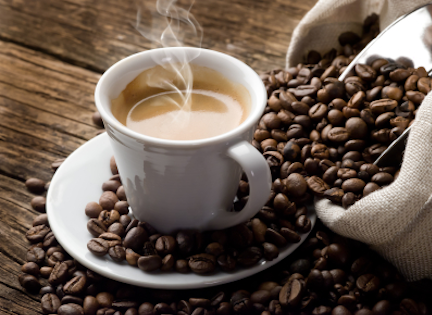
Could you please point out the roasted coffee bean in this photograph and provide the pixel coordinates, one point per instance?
(31, 268)
(368, 282)
(72, 299)
(37, 233)
(202, 263)
(135, 238)
(334, 194)
(291, 293)
(291, 151)
(318, 111)
(109, 217)
(338, 134)
(383, 105)
(108, 200)
(303, 224)
(41, 219)
(348, 200)
(250, 256)
(38, 203)
(117, 253)
(275, 237)
(165, 245)
(96, 227)
(35, 185)
(270, 251)
(98, 246)
(320, 151)
(29, 282)
(353, 185)
(370, 188)
(382, 178)
(132, 257)
(317, 185)
(54, 258)
(340, 310)
(70, 309)
(75, 286)
(296, 185)
(50, 303)
(273, 158)
(36, 255)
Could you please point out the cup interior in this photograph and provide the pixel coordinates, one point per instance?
(116, 78)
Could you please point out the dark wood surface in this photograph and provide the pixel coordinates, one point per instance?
(51, 56)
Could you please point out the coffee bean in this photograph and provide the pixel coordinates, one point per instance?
(348, 200)
(75, 286)
(149, 263)
(340, 310)
(72, 299)
(38, 203)
(370, 188)
(382, 178)
(202, 263)
(108, 200)
(296, 185)
(36, 255)
(135, 238)
(317, 185)
(29, 282)
(368, 282)
(291, 151)
(116, 228)
(132, 257)
(31, 268)
(320, 151)
(93, 209)
(291, 293)
(274, 237)
(117, 253)
(50, 303)
(353, 185)
(111, 185)
(70, 309)
(334, 194)
(318, 111)
(96, 227)
(339, 134)
(98, 246)
(109, 217)
(383, 105)
(303, 224)
(249, 256)
(270, 251)
(35, 185)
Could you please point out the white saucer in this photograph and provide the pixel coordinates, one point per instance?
(79, 181)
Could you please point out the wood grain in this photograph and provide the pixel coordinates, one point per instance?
(51, 56)
(96, 34)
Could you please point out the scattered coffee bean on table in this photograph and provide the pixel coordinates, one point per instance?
(319, 136)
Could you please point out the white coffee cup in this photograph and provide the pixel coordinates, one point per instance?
(189, 184)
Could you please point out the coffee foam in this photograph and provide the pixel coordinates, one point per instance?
(154, 104)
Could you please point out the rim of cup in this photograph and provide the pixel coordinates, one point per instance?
(257, 87)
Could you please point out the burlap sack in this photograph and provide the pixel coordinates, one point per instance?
(396, 221)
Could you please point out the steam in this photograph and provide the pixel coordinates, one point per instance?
(166, 24)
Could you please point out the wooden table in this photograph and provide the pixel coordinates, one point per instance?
(52, 54)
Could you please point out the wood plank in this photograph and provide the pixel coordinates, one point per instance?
(96, 34)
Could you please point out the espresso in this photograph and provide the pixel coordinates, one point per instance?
(161, 103)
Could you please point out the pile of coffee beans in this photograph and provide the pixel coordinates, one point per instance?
(327, 275)
(244, 245)
(330, 132)
(311, 143)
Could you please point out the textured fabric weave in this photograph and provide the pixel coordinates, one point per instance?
(396, 221)
(320, 27)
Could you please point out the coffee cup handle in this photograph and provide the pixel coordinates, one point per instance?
(258, 174)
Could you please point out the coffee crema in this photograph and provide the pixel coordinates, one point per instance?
(156, 104)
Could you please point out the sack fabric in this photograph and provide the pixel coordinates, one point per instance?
(395, 221)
